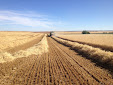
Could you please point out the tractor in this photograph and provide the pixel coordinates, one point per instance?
(51, 34)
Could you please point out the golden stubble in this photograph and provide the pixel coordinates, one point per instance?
(92, 52)
(37, 49)
(98, 39)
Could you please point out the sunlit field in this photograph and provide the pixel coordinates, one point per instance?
(100, 39)
(70, 59)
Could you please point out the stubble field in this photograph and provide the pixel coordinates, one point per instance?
(100, 39)
(103, 41)
(42, 60)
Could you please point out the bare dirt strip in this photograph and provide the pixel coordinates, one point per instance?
(60, 66)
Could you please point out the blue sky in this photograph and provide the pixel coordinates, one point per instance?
(56, 15)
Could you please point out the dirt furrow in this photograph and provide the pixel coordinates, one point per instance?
(72, 74)
(59, 66)
(68, 69)
(100, 75)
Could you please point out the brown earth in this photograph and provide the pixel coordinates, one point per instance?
(60, 66)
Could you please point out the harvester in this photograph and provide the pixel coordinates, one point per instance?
(51, 34)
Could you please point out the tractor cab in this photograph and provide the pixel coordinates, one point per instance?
(51, 34)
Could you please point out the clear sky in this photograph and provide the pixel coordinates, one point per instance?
(56, 15)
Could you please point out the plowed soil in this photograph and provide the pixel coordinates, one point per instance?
(60, 66)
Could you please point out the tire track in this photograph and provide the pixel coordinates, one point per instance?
(60, 66)
(67, 69)
(102, 78)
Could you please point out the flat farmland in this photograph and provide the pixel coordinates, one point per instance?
(50, 61)
(79, 32)
(16, 44)
(101, 39)
(9, 40)
(104, 41)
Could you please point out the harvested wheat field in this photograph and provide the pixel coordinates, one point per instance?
(79, 32)
(15, 43)
(49, 61)
(103, 41)
(9, 40)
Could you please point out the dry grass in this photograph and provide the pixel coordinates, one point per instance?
(10, 40)
(37, 49)
(103, 41)
(97, 54)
